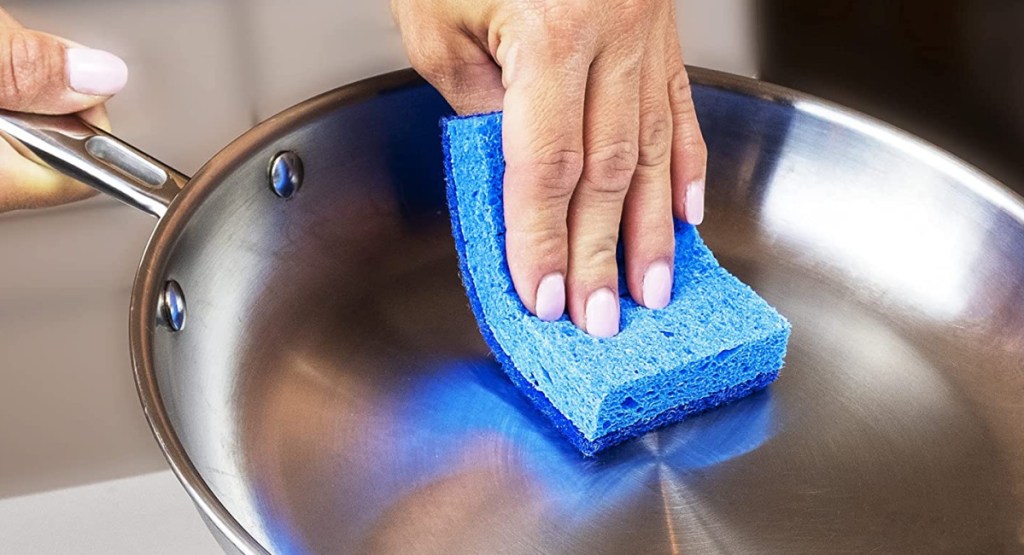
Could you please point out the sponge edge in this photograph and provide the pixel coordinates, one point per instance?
(717, 340)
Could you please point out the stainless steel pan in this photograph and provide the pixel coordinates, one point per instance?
(327, 390)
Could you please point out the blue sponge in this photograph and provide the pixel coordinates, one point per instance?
(717, 340)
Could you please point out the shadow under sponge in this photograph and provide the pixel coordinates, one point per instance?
(717, 340)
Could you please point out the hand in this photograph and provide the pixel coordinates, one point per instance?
(43, 74)
(599, 129)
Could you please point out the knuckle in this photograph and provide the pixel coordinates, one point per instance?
(679, 89)
(611, 166)
(535, 238)
(26, 65)
(599, 255)
(556, 170)
(692, 143)
(547, 243)
(689, 138)
(428, 50)
(428, 58)
(560, 25)
(450, 67)
(655, 141)
(700, 149)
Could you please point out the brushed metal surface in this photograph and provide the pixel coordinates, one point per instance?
(330, 392)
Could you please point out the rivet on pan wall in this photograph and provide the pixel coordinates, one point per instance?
(285, 174)
(172, 306)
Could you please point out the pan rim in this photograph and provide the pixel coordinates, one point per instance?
(143, 312)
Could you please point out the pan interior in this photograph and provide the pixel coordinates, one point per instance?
(331, 388)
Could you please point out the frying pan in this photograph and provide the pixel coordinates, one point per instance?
(308, 364)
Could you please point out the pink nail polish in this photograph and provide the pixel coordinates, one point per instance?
(657, 285)
(603, 313)
(695, 202)
(551, 297)
(95, 72)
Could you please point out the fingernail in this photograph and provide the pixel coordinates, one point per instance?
(657, 285)
(603, 313)
(551, 297)
(695, 202)
(95, 72)
(508, 68)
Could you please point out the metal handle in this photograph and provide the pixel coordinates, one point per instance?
(94, 157)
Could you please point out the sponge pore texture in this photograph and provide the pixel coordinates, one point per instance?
(715, 342)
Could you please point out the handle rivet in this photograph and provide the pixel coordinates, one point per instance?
(172, 306)
(285, 174)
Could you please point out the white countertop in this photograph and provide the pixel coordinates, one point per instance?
(149, 514)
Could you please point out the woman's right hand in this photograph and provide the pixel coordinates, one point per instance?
(600, 133)
(44, 74)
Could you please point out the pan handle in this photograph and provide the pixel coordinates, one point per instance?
(94, 157)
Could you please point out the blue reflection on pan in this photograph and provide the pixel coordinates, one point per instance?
(471, 402)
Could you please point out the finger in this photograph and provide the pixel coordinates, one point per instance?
(611, 131)
(26, 184)
(97, 116)
(647, 229)
(41, 73)
(453, 62)
(545, 70)
(689, 153)
(471, 82)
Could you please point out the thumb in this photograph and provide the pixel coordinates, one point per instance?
(43, 74)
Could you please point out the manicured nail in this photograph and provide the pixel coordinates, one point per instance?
(551, 297)
(603, 313)
(695, 202)
(95, 72)
(657, 285)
